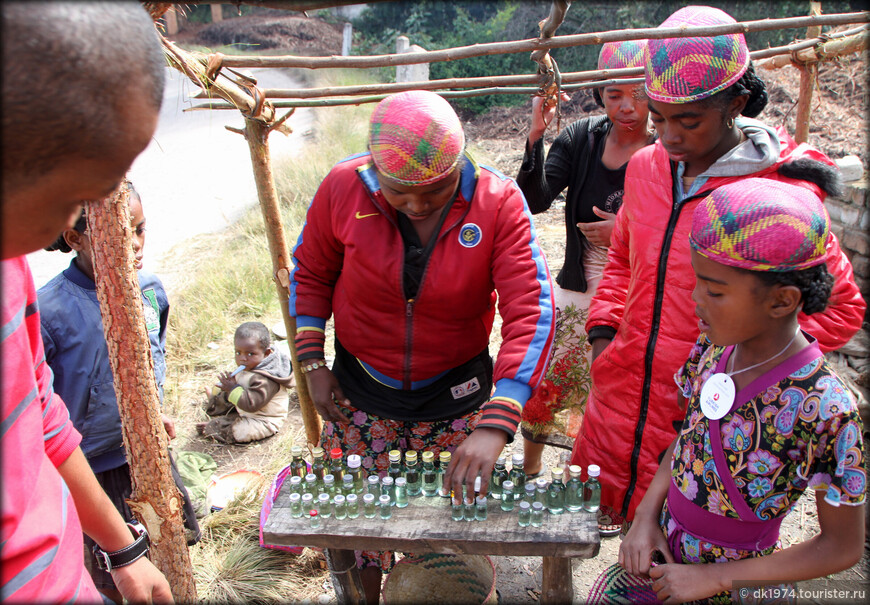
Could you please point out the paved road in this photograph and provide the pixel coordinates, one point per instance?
(195, 177)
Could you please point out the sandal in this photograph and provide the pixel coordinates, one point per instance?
(533, 476)
(608, 531)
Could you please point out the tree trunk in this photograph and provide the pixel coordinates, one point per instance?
(155, 500)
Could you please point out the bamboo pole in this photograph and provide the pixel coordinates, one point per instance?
(517, 46)
(155, 500)
(808, 73)
(257, 135)
(836, 45)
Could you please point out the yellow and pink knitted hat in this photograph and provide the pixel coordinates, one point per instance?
(761, 225)
(415, 137)
(683, 70)
(619, 55)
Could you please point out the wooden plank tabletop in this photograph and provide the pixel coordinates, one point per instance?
(425, 526)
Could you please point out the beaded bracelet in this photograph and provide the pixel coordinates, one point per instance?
(313, 366)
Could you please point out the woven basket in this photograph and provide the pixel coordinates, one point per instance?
(433, 578)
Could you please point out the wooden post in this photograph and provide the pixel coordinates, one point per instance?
(217, 13)
(557, 585)
(346, 39)
(345, 576)
(808, 77)
(155, 501)
(257, 134)
(171, 22)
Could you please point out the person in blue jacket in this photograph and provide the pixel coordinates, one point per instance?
(76, 352)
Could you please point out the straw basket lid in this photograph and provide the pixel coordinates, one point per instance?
(436, 578)
(222, 490)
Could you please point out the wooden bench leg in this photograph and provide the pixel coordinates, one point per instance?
(557, 585)
(345, 576)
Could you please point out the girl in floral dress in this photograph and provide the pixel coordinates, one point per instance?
(766, 418)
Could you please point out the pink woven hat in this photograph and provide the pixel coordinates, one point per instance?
(761, 225)
(683, 70)
(415, 137)
(619, 55)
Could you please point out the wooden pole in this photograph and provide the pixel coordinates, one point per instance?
(155, 501)
(808, 77)
(257, 135)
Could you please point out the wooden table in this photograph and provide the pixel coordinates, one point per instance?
(425, 526)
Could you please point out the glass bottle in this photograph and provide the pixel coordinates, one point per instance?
(430, 477)
(592, 490)
(507, 495)
(499, 476)
(529, 492)
(354, 469)
(384, 506)
(318, 467)
(296, 484)
(347, 485)
(556, 492)
(517, 474)
(541, 491)
(443, 463)
(373, 485)
(324, 506)
(388, 489)
(336, 464)
(352, 506)
(457, 510)
(469, 511)
(340, 506)
(400, 487)
(295, 505)
(369, 506)
(480, 508)
(565, 463)
(307, 503)
(537, 514)
(574, 490)
(412, 474)
(314, 519)
(298, 468)
(395, 469)
(311, 486)
(328, 485)
(525, 514)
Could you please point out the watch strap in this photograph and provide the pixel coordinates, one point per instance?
(129, 554)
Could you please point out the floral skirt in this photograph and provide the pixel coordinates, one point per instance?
(372, 437)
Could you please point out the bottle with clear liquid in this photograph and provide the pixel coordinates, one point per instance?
(517, 474)
(318, 466)
(340, 507)
(457, 509)
(324, 506)
(336, 464)
(388, 489)
(384, 507)
(529, 492)
(296, 484)
(395, 469)
(347, 485)
(499, 476)
(307, 503)
(537, 514)
(314, 519)
(592, 490)
(412, 474)
(311, 486)
(443, 463)
(328, 485)
(507, 495)
(574, 490)
(354, 469)
(369, 506)
(352, 506)
(556, 492)
(480, 508)
(541, 491)
(401, 488)
(470, 511)
(430, 477)
(525, 514)
(295, 505)
(565, 463)
(373, 485)
(298, 468)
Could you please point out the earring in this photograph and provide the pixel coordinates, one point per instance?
(729, 123)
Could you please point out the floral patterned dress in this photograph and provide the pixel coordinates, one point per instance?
(792, 433)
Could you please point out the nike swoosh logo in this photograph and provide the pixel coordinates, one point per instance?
(358, 215)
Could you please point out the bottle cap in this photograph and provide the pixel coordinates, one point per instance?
(517, 459)
(369, 498)
(530, 487)
(339, 499)
(387, 480)
(351, 498)
(556, 472)
(295, 497)
(428, 456)
(575, 470)
(594, 470)
(444, 457)
(354, 461)
(373, 480)
(312, 513)
(480, 500)
(507, 485)
(307, 498)
(395, 456)
(310, 478)
(335, 453)
(317, 452)
(347, 480)
(500, 460)
(525, 505)
(327, 478)
(536, 506)
(411, 456)
(323, 498)
(401, 482)
(540, 483)
(296, 450)
(385, 499)
(296, 479)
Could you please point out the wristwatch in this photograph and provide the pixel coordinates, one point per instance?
(127, 555)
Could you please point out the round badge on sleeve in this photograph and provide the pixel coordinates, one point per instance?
(469, 235)
(717, 396)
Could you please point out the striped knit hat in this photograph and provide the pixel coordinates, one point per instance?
(761, 225)
(683, 70)
(415, 137)
(619, 55)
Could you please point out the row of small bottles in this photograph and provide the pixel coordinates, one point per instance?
(557, 496)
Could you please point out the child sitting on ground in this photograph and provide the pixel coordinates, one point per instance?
(767, 417)
(252, 404)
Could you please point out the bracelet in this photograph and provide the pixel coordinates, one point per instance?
(321, 363)
(127, 555)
